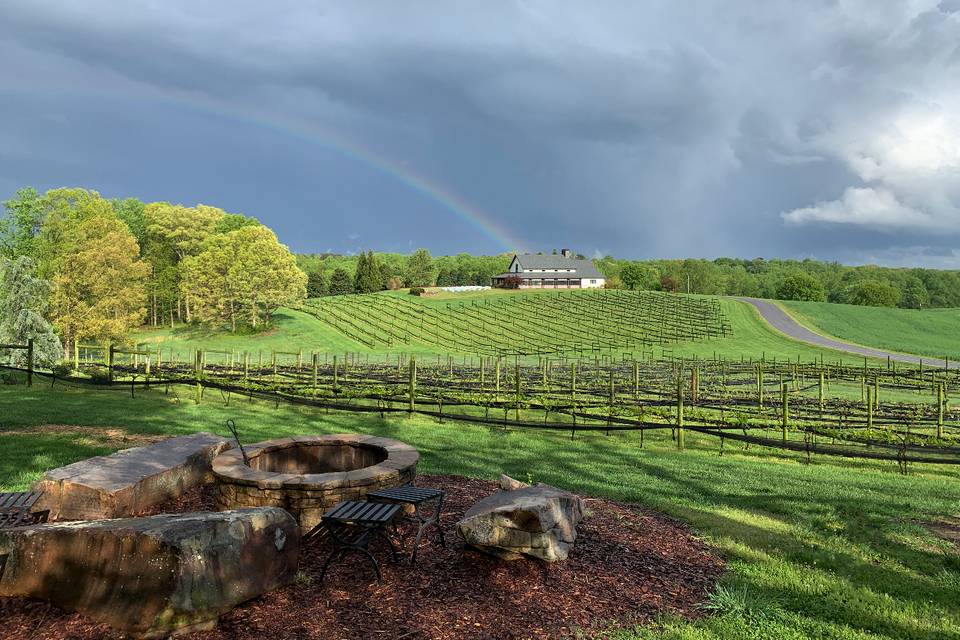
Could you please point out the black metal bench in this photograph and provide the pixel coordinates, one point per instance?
(352, 524)
(416, 496)
(15, 509)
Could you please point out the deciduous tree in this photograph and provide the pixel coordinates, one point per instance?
(94, 264)
(419, 272)
(242, 276)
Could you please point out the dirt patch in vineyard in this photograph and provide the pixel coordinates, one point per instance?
(629, 565)
(115, 437)
(946, 529)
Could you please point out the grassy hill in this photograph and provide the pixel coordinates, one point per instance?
(748, 336)
(928, 332)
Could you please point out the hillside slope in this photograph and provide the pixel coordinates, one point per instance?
(928, 332)
(749, 337)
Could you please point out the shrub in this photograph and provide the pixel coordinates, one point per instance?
(512, 282)
(416, 291)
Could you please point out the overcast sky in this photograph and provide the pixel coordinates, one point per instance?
(817, 128)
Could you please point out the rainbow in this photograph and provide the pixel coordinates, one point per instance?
(311, 133)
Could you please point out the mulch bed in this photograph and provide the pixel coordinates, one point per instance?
(629, 564)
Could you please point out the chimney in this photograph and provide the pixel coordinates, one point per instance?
(565, 253)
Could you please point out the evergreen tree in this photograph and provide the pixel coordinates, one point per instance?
(316, 284)
(23, 302)
(340, 283)
(370, 277)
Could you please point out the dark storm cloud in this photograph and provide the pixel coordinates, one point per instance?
(643, 129)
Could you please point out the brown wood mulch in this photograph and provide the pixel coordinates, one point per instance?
(629, 564)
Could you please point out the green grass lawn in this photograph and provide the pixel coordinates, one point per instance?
(830, 549)
(928, 332)
(295, 331)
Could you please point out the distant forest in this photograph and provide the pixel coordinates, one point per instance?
(778, 279)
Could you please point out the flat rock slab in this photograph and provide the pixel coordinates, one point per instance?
(129, 481)
(538, 521)
(155, 575)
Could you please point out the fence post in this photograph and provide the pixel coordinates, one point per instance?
(680, 442)
(314, 363)
(334, 372)
(30, 362)
(785, 417)
(940, 411)
(516, 374)
(110, 364)
(412, 393)
(820, 392)
(760, 385)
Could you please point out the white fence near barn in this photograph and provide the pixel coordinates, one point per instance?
(464, 288)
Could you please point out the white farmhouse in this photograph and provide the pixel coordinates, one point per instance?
(538, 271)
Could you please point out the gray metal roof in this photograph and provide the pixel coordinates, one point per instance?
(564, 275)
(584, 268)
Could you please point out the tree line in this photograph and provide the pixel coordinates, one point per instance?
(368, 272)
(812, 280)
(85, 268)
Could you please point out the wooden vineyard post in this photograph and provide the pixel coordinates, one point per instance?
(110, 363)
(869, 408)
(334, 372)
(299, 360)
(573, 381)
(146, 369)
(820, 392)
(940, 411)
(197, 369)
(30, 362)
(412, 390)
(496, 373)
(483, 370)
(314, 360)
(680, 412)
(760, 386)
(785, 415)
(76, 356)
(636, 380)
(876, 393)
(517, 390)
(612, 398)
(246, 366)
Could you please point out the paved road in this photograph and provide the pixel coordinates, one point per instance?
(786, 325)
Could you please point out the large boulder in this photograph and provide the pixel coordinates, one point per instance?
(155, 575)
(538, 521)
(131, 481)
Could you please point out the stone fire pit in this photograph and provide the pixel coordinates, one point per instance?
(306, 475)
